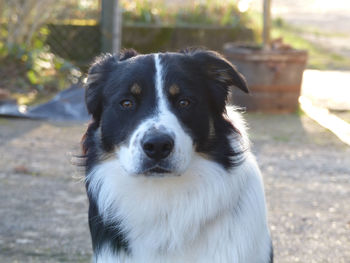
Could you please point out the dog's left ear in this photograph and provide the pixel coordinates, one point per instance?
(220, 71)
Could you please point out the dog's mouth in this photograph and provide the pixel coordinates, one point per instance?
(157, 170)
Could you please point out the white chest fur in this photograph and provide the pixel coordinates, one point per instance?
(204, 215)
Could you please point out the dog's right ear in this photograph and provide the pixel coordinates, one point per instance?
(98, 75)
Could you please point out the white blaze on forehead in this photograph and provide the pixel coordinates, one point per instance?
(161, 98)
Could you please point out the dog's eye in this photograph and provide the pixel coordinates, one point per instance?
(184, 103)
(126, 104)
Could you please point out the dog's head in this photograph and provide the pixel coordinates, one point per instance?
(154, 113)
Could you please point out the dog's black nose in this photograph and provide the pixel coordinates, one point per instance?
(157, 145)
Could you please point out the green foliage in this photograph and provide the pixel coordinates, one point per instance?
(27, 66)
(211, 13)
(34, 68)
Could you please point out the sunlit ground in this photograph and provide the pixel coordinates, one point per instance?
(330, 89)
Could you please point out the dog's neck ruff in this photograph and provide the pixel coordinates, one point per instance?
(190, 218)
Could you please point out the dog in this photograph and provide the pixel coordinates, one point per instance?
(169, 174)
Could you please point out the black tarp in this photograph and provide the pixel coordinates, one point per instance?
(68, 105)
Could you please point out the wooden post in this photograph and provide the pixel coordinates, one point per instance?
(111, 26)
(267, 24)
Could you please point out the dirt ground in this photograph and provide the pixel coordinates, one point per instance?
(43, 208)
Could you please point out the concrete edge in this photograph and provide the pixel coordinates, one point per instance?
(326, 119)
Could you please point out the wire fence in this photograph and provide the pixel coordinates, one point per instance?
(77, 43)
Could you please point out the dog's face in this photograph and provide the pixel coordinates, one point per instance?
(154, 113)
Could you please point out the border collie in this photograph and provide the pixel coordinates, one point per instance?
(169, 174)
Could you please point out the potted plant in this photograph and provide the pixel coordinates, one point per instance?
(273, 72)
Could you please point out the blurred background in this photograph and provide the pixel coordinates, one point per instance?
(46, 46)
(295, 55)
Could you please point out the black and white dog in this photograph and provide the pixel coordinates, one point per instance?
(170, 177)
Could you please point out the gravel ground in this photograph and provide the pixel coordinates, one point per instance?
(43, 204)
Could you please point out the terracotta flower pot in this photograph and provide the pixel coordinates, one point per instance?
(274, 77)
